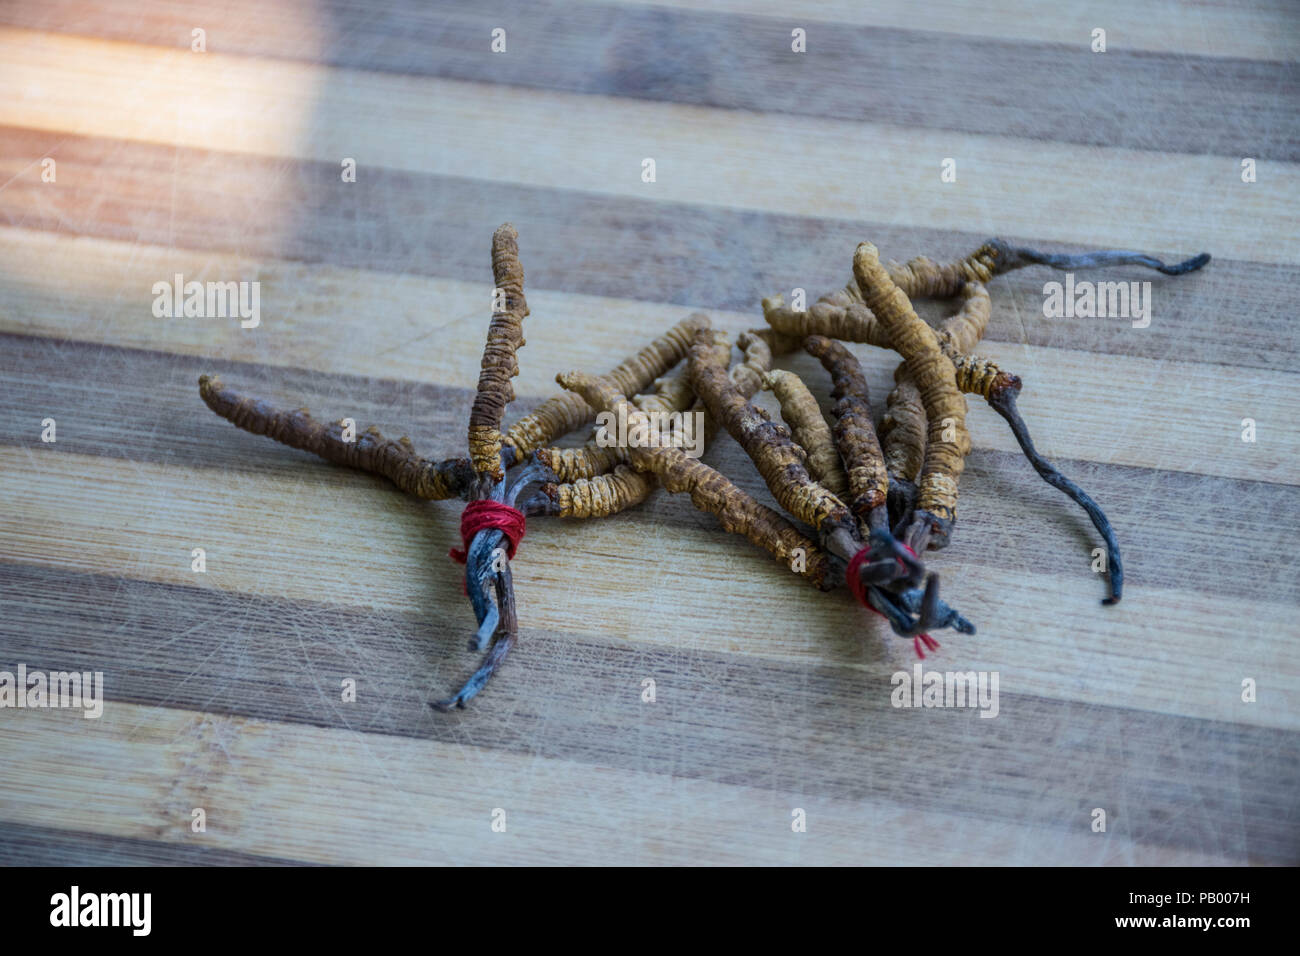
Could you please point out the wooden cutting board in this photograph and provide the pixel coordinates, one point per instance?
(225, 690)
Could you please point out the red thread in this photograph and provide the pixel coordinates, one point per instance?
(488, 514)
(930, 642)
(860, 594)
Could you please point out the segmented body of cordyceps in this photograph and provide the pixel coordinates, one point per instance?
(854, 433)
(778, 459)
(601, 496)
(803, 416)
(587, 461)
(778, 343)
(755, 363)
(671, 393)
(504, 338)
(369, 451)
(835, 315)
(923, 278)
(902, 439)
(981, 376)
(948, 442)
(710, 491)
(566, 412)
(554, 418)
(964, 329)
(903, 428)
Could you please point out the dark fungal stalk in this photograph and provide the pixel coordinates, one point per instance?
(1017, 257)
(1002, 399)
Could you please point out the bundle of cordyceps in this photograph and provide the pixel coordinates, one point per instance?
(868, 503)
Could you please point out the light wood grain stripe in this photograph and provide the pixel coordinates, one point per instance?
(416, 225)
(382, 799)
(290, 110)
(732, 60)
(1263, 30)
(284, 661)
(142, 407)
(281, 537)
(1145, 413)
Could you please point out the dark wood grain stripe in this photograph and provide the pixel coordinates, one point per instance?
(24, 845)
(1224, 789)
(1141, 100)
(1233, 313)
(143, 406)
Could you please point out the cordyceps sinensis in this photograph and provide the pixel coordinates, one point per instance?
(834, 317)
(670, 394)
(947, 441)
(710, 491)
(869, 488)
(1001, 389)
(567, 412)
(922, 278)
(904, 426)
(490, 518)
(903, 429)
(576, 493)
(854, 433)
(803, 416)
(505, 337)
(883, 575)
(779, 460)
(368, 451)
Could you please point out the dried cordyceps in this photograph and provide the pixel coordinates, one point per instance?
(602, 495)
(499, 366)
(597, 497)
(903, 429)
(710, 491)
(567, 412)
(923, 278)
(835, 315)
(779, 461)
(948, 442)
(672, 393)
(803, 416)
(902, 437)
(811, 468)
(369, 451)
(870, 570)
(855, 433)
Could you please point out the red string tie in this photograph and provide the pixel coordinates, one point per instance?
(860, 595)
(487, 514)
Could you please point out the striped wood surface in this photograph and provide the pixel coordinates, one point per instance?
(223, 688)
